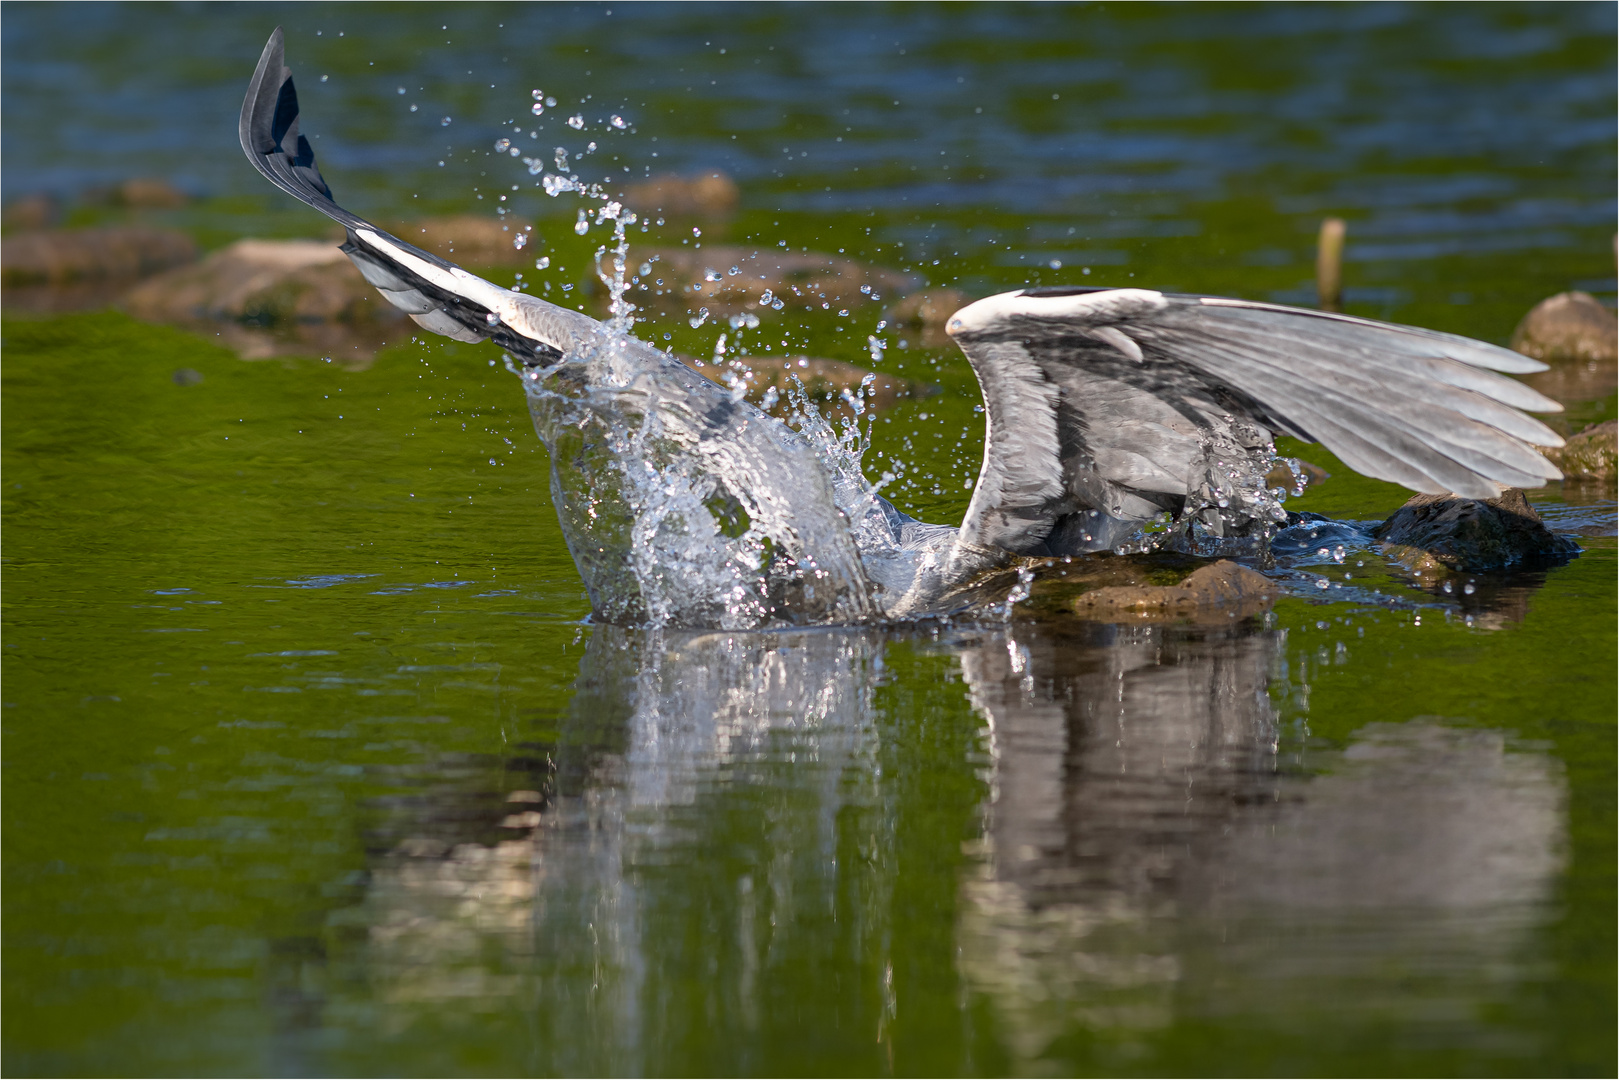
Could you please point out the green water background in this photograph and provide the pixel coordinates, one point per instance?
(260, 628)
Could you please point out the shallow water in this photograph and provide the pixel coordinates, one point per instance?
(315, 763)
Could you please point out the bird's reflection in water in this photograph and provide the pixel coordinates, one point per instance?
(715, 854)
(1149, 859)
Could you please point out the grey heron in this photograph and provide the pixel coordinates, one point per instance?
(1105, 408)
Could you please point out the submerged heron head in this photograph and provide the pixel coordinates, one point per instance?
(1105, 409)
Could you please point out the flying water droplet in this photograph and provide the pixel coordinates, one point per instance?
(711, 275)
(581, 226)
(577, 121)
(444, 122)
(542, 262)
(502, 145)
(618, 122)
(699, 319)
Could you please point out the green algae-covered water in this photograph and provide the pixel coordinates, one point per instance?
(314, 762)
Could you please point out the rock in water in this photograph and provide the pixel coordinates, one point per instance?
(1222, 589)
(1472, 534)
(1590, 455)
(1568, 326)
(263, 282)
(708, 195)
(61, 257)
(472, 240)
(931, 307)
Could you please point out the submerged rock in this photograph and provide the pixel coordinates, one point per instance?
(65, 257)
(263, 283)
(1571, 326)
(769, 380)
(147, 193)
(734, 279)
(38, 211)
(474, 241)
(1590, 455)
(266, 298)
(709, 195)
(1223, 589)
(1432, 531)
(929, 308)
(1295, 475)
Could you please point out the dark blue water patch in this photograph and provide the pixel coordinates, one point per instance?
(320, 581)
(394, 590)
(297, 652)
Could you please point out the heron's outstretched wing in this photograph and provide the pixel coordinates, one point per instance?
(1108, 405)
(438, 295)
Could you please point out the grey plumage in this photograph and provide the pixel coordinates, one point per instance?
(1130, 401)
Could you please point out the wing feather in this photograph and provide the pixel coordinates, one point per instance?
(437, 294)
(1157, 395)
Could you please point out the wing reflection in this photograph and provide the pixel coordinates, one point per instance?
(1148, 860)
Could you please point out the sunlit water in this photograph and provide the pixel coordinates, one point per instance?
(315, 761)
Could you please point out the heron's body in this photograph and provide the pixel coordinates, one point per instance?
(1105, 408)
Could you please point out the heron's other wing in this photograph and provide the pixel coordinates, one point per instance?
(1118, 399)
(437, 294)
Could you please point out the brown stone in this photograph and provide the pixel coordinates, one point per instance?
(1281, 475)
(824, 381)
(33, 212)
(706, 195)
(264, 283)
(1470, 534)
(62, 257)
(1571, 326)
(800, 280)
(1223, 589)
(1590, 455)
(931, 307)
(148, 193)
(473, 241)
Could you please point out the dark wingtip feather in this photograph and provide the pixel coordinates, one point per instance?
(270, 137)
